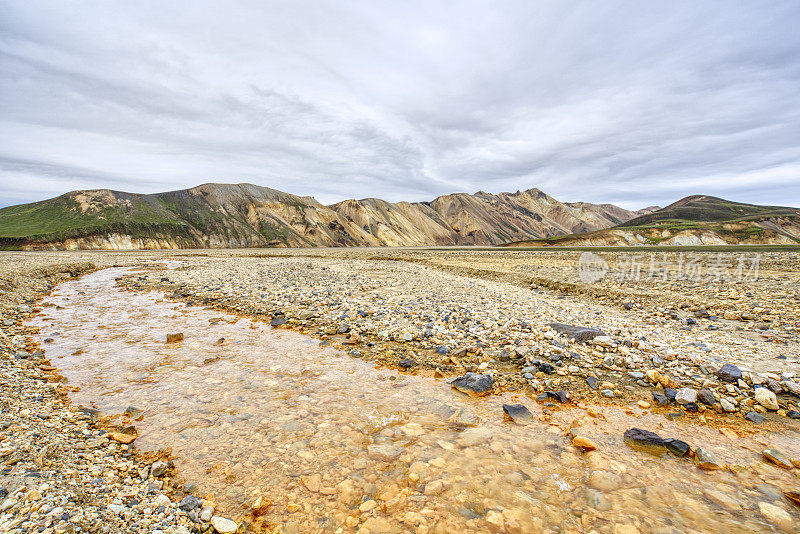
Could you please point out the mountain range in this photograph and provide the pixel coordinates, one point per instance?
(245, 215)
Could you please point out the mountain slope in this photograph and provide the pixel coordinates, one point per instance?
(694, 220)
(246, 215)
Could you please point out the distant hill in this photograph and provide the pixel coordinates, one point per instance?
(694, 220)
(246, 215)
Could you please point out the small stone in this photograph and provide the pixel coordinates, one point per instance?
(578, 333)
(793, 414)
(174, 338)
(767, 399)
(706, 396)
(677, 447)
(755, 417)
(777, 457)
(474, 436)
(660, 398)
(727, 405)
(729, 373)
(686, 396)
(119, 437)
(368, 505)
(158, 469)
(644, 440)
(517, 413)
(190, 502)
(223, 525)
(584, 443)
(643, 404)
(706, 461)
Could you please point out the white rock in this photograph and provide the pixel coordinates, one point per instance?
(603, 341)
(686, 395)
(766, 398)
(223, 525)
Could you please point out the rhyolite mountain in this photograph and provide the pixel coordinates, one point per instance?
(246, 215)
(693, 220)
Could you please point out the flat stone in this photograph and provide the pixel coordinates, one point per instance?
(603, 341)
(384, 451)
(120, 437)
(578, 333)
(174, 338)
(517, 413)
(706, 461)
(677, 447)
(755, 417)
(190, 502)
(584, 443)
(474, 436)
(223, 525)
(706, 396)
(473, 384)
(777, 457)
(722, 499)
(660, 398)
(776, 514)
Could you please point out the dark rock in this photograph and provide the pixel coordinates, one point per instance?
(592, 381)
(755, 417)
(578, 333)
(670, 394)
(473, 384)
(441, 349)
(517, 413)
(691, 407)
(190, 502)
(729, 373)
(560, 396)
(660, 398)
(793, 414)
(406, 363)
(547, 368)
(706, 396)
(677, 447)
(644, 440)
(278, 320)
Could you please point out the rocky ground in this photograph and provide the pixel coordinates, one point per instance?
(721, 352)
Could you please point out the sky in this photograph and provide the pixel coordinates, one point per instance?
(634, 103)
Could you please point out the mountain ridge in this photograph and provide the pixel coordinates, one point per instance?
(220, 215)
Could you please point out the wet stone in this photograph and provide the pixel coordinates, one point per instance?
(777, 457)
(645, 440)
(755, 417)
(660, 398)
(517, 413)
(473, 384)
(677, 447)
(706, 460)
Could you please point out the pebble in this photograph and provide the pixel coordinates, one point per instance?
(706, 461)
(767, 399)
(584, 443)
(777, 457)
(223, 525)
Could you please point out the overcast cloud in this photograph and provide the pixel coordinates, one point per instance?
(635, 103)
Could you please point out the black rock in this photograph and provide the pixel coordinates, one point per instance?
(592, 381)
(670, 393)
(644, 440)
(278, 320)
(190, 502)
(729, 373)
(691, 321)
(706, 396)
(677, 447)
(473, 384)
(691, 407)
(406, 363)
(793, 414)
(660, 398)
(547, 368)
(755, 417)
(517, 413)
(578, 333)
(560, 396)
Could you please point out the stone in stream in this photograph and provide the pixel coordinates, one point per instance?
(473, 384)
(578, 333)
(729, 373)
(384, 451)
(132, 411)
(706, 461)
(174, 338)
(793, 414)
(755, 417)
(677, 447)
(223, 525)
(517, 413)
(777, 515)
(777, 457)
(644, 440)
(474, 436)
(767, 399)
(584, 443)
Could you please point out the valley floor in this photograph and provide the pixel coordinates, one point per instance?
(668, 323)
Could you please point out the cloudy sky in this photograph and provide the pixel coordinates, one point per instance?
(635, 103)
